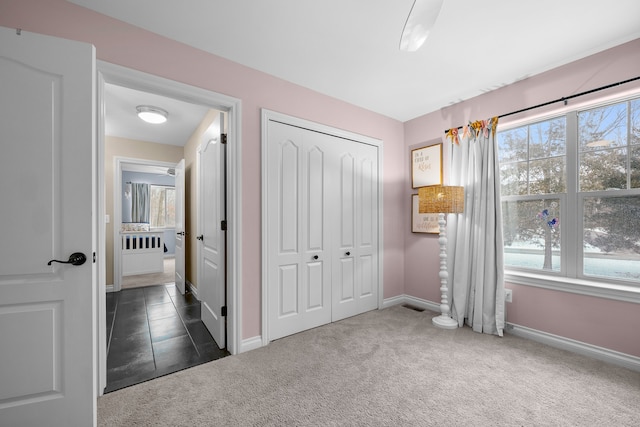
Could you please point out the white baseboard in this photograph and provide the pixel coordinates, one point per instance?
(250, 344)
(416, 302)
(589, 350)
(109, 288)
(600, 353)
(192, 288)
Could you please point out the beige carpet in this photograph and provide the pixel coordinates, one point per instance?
(386, 368)
(140, 280)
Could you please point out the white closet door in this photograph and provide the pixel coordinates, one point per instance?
(355, 231)
(299, 272)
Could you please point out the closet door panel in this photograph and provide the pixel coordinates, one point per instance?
(284, 231)
(299, 293)
(288, 197)
(288, 291)
(355, 288)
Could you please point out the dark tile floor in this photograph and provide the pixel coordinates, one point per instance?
(154, 331)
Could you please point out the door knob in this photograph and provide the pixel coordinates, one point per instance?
(315, 257)
(347, 253)
(200, 237)
(76, 258)
(180, 233)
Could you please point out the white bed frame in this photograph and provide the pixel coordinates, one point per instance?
(142, 252)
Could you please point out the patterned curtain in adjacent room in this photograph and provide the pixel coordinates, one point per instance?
(475, 246)
(139, 202)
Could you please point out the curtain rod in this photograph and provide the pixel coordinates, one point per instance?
(563, 99)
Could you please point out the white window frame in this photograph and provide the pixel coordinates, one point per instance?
(571, 277)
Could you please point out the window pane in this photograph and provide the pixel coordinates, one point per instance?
(547, 176)
(635, 167)
(171, 207)
(513, 178)
(635, 122)
(603, 169)
(547, 139)
(512, 145)
(612, 237)
(532, 234)
(156, 217)
(603, 127)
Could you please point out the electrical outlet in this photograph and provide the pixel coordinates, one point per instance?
(508, 295)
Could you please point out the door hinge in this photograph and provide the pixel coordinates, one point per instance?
(223, 225)
(223, 311)
(223, 138)
(94, 257)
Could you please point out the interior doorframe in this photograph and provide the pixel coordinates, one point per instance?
(118, 167)
(268, 115)
(122, 76)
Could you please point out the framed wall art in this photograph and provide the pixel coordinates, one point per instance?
(422, 223)
(426, 166)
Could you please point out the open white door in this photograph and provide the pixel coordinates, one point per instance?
(47, 322)
(211, 280)
(180, 228)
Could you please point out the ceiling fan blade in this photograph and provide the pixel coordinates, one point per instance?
(419, 23)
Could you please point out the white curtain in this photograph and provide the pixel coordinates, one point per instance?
(139, 202)
(475, 248)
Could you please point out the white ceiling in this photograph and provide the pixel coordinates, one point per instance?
(349, 49)
(121, 119)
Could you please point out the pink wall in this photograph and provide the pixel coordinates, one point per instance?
(597, 321)
(132, 47)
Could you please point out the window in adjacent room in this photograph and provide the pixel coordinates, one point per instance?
(162, 211)
(570, 188)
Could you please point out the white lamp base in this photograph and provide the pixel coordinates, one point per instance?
(445, 322)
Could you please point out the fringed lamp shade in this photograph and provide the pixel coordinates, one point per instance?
(441, 199)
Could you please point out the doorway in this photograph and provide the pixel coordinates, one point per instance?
(111, 74)
(144, 246)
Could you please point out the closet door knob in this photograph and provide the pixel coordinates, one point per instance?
(315, 257)
(200, 237)
(347, 253)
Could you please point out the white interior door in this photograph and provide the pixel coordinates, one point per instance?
(47, 134)
(299, 272)
(180, 228)
(212, 238)
(355, 238)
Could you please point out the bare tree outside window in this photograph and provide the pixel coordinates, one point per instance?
(600, 203)
(163, 211)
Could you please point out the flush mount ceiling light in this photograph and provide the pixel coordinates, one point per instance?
(421, 18)
(151, 114)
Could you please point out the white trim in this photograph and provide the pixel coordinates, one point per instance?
(101, 244)
(575, 286)
(584, 349)
(115, 74)
(109, 288)
(600, 353)
(268, 115)
(251, 344)
(118, 164)
(192, 288)
(414, 301)
(390, 302)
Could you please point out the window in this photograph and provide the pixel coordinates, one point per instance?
(570, 188)
(163, 211)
